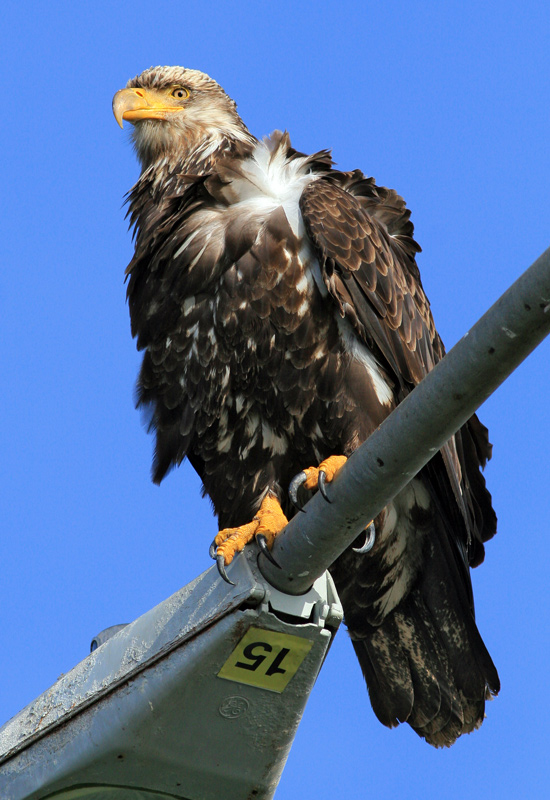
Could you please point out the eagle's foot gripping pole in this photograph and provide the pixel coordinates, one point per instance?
(268, 522)
(316, 478)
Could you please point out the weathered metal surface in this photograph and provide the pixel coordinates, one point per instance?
(146, 715)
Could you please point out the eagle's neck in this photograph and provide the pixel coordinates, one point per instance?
(201, 156)
(189, 150)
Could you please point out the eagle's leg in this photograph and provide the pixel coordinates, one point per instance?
(316, 478)
(268, 522)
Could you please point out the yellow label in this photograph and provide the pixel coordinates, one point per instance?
(267, 659)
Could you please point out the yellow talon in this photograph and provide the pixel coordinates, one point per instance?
(232, 540)
(269, 521)
(329, 466)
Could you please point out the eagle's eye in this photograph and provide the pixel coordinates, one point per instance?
(180, 93)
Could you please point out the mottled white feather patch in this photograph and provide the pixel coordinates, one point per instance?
(271, 441)
(198, 256)
(403, 542)
(224, 444)
(360, 353)
(270, 180)
(252, 425)
(188, 304)
(186, 243)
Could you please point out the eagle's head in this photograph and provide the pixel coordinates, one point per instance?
(178, 114)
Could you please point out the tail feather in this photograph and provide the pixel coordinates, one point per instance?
(426, 663)
(412, 676)
(409, 677)
(386, 671)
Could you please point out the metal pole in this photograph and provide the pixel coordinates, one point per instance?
(414, 431)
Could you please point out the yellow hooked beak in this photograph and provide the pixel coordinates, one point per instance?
(136, 104)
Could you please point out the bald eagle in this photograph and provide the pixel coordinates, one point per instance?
(282, 317)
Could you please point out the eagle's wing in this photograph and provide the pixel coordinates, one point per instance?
(363, 239)
(424, 663)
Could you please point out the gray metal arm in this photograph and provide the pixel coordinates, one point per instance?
(415, 431)
(198, 699)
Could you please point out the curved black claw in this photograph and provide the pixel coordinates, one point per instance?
(369, 540)
(322, 484)
(297, 481)
(212, 550)
(262, 544)
(220, 561)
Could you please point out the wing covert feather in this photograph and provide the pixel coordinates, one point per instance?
(370, 272)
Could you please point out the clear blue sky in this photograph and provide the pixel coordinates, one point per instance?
(448, 102)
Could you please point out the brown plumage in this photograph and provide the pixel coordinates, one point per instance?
(282, 317)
